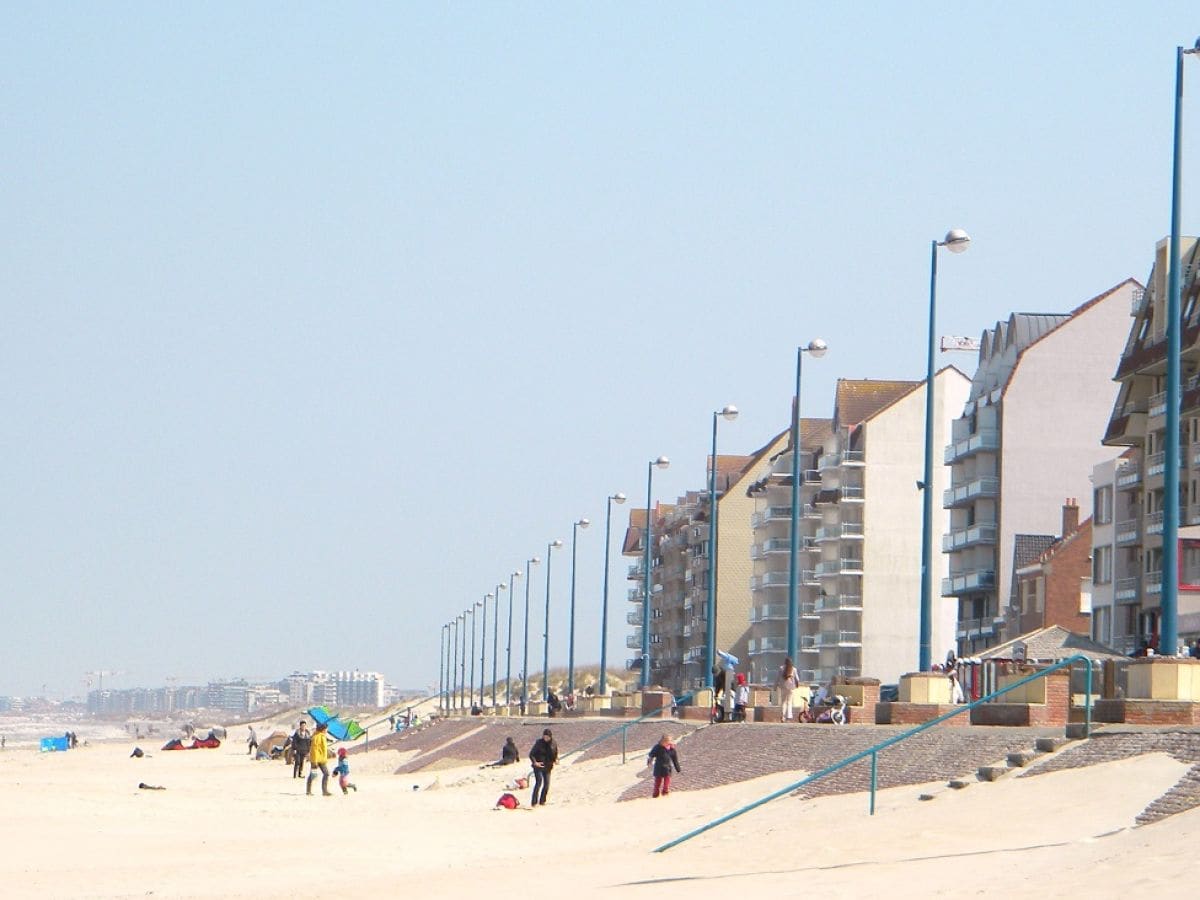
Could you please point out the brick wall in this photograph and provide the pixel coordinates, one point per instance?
(917, 714)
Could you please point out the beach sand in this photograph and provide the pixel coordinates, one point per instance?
(227, 826)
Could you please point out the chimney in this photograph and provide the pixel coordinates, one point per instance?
(1070, 516)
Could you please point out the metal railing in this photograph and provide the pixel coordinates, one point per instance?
(624, 728)
(873, 752)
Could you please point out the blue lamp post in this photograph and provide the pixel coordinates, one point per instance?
(471, 682)
(582, 523)
(1169, 599)
(512, 577)
(662, 462)
(532, 561)
(443, 680)
(816, 349)
(618, 497)
(462, 664)
(550, 548)
(956, 241)
(483, 644)
(728, 413)
(496, 639)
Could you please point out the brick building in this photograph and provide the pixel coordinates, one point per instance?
(1054, 588)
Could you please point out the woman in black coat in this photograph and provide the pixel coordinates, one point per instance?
(543, 756)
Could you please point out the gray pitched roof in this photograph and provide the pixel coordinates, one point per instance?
(1051, 644)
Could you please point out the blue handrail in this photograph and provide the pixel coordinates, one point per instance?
(873, 751)
(624, 728)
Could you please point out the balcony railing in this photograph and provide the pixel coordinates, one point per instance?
(1127, 589)
(1157, 405)
(837, 602)
(636, 595)
(987, 486)
(988, 440)
(768, 645)
(1129, 476)
(984, 533)
(1154, 522)
(769, 612)
(1127, 531)
(964, 582)
(771, 514)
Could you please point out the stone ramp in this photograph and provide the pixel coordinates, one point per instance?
(422, 738)
(1118, 744)
(724, 754)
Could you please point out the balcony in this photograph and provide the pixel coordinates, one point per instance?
(1129, 476)
(987, 486)
(634, 618)
(768, 645)
(842, 530)
(775, 545)
(1157, 405)
(808, 609)
(634, 664)
(966, 582)
(634, 641)
(988, 441)
(839, 602)
(637, 570)
(769, 612)
(852, 493)
(1127, 532)
(636, 595)
(1137, 301)
(771, 514)
(808, 642)
(810, 511)
(982, 534)
(845, 565)
(1154, 522)
(839, 639)
(1127, 590)
(769, 579)
(1153, 583)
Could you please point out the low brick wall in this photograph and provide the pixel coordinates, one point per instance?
(1054, 712)
(863, 695)
(1147, 712)
(918, 714)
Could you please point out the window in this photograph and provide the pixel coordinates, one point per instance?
(1102, 565)
(1102, 505)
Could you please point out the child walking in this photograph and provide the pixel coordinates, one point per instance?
(342, 770)
(663, 756)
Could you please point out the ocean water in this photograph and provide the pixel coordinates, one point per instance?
(21, 730)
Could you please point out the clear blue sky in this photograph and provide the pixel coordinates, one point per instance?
(319, 322)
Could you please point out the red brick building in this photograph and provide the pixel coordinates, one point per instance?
(1055, 587)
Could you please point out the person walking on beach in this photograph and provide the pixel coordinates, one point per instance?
(662, 755)
(252, 742)
(787, 682)
(301, 744)
(318, 758)
(342, 770)
(543, 756)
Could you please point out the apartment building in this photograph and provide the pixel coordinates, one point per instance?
(680, 569)
(1029, 434)
(1138, 422)
(860, 567)
(1116, 552)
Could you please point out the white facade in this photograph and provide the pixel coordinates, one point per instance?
(1029, 435)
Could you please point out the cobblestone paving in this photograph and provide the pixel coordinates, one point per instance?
(723, 754)
(422, 739)
(1110, 746)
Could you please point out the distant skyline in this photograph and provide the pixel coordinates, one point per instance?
(319, 323)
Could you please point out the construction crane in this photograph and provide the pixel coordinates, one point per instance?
(99, 674)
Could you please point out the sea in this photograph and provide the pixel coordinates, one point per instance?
(27, 729)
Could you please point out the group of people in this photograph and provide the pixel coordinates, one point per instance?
(313, 746)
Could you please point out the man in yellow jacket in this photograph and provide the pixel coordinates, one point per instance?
(318, 757)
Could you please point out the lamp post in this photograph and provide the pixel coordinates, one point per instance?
(582, 523)
(496, 638)
(816, 349)
(462, 664)
(956, 241)
(662, 462)
(618, 497)
(550, 547)
(1169, 600)
(443, 680)
(532, 561)
(512, 577)
(483, 644)
(728, 413)
(471, 682)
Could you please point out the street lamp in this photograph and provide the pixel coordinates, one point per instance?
(618, 497)
(513, 576)
(728, 413)
(662, 462)
(443, 679)
(496, 637)
(471, 610)
(816, 349)
(553, 545)
(956, 241)
(582, 523)
(462, 664)
(1169, 601)
(483, 643)
(532, 561)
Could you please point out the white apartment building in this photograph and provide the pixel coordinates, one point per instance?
(1028, 436)
(1138, 422)
(1116, 552)
(860, 569)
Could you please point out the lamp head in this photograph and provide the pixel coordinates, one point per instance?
(662, 462)
(956, 240)
(816, 348)
(516, 574)
(729, 413)
(618, 497)
(536, 561)
(501, 587)
(584, 523)
(555, 544)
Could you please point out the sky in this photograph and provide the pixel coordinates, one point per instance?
(318, 323)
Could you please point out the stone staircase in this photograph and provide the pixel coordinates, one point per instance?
(1021, 758)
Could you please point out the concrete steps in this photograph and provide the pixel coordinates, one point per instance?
(1022, 758)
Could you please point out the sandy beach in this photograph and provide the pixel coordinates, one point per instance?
(227, 826)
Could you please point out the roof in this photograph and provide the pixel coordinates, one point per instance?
(1051, 644)
(857, 400)
(1028, 548)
